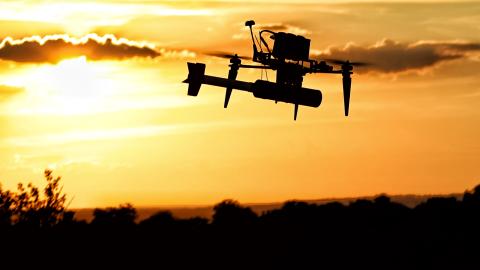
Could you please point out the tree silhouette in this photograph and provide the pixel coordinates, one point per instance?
(162, 219)
(231, 214)
(122, 216)
(472, 197)
(372, 234)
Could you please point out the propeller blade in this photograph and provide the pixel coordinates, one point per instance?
(220, 54)
(295, 112)
(343, 62)
(347, 85)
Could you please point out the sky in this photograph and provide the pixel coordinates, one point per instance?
(93, 91)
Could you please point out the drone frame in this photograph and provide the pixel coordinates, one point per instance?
(290, 60)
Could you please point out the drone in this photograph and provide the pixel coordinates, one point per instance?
(289, 57)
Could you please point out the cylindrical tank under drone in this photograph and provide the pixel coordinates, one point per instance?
(288, 94)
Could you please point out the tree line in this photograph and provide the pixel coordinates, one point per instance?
(442, 232)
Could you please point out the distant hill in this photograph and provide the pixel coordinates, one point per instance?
(207, 211)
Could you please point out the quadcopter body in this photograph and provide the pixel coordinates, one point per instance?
(289, 57)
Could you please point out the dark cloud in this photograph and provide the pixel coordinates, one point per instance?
(53, 48)
(389, 56)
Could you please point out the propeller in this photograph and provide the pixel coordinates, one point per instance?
(227, 55)
(346, 62)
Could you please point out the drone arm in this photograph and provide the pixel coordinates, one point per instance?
(324, 71)
(258, 67)
(220, 82)
(346, 81)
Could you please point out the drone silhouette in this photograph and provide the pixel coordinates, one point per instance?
(289, 57)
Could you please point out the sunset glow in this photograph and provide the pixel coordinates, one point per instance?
(93, 90)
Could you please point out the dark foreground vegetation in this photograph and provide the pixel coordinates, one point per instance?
(441, 233)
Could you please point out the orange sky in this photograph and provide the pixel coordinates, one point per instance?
(114, 120)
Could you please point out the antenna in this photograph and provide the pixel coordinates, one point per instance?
(255, 50)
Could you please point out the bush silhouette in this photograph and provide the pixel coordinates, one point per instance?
(7, 202)
(30, 208)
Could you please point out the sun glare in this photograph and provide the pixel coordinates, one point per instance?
(75, 79)
(71, 87)
(79, 86)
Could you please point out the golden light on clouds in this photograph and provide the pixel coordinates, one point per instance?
(79, 17)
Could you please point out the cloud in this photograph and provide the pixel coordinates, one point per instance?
(85, 136)
(90, 136)
(389, 56)
(54, 48)
(7, 91)
(177, 53)
(275, 27)
(285, 27)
